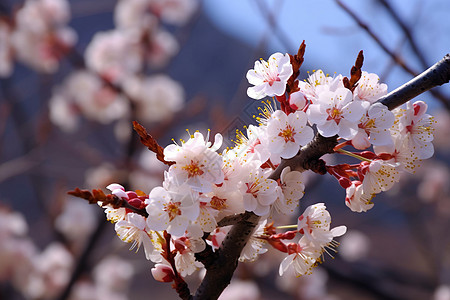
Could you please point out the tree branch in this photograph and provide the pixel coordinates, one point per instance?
(220, 272)
(436, 75)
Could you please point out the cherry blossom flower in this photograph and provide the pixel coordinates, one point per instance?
(400, 153)
(255, 246)
(207, 216)
(368, 88)
(172, 210)
(84, 93)
(186, 264)
(290, 192)
(147, 93)
(336, 113)
(416, 127)
(162, 46)
(259, 193)
(216, 237)
(163, 273)
(373, 128)
(269, 78)
(286, 133)
(356, 199)
(318, 82)
(314, 223)
(301, 257)
(297, 100)
(113, 273)
(40, 38)
(379, 176)
(114, 55)
(133, 229)
(196, 162)
(250, 147)
(175, 12)
(134, 14)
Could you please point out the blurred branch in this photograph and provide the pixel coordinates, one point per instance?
(18, 165)
(439, 96)
(82, 261)
(407, 31)
(271, 20)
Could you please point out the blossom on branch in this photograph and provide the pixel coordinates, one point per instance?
(269, 78)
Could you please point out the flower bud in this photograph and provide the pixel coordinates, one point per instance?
(163, 273)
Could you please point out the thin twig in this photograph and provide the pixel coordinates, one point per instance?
(439, 96)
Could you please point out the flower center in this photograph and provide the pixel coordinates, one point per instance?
(287, 134)
(172, 209)
(218, 203)
(193, 169)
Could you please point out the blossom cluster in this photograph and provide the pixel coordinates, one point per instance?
(37, 36)
(110, 81)
(204, 186)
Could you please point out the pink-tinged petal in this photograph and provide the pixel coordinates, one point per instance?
(120, 194)
(254, 77)
(256, 92)
(329, 128)
(342, 97)
(163, 273)
(304, 137)
(339, 231)
(262, 210)
(250, 203)
(290, 150)
(158, 220)
(287, 261)
(316, 115)
(115, 186)
(361, 140)
(266, 199)
(178, 226)
(278, 88)
(191, 212)
(353, 111)
(381, 137)
(347, 130)
(297, 100)
(298, 120)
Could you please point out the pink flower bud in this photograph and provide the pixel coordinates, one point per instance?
(163, 273)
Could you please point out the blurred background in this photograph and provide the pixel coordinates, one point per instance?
(74, 74)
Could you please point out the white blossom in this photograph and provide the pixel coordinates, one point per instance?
(368, 88)
(196, 162)
(259, 193)
(133, 229)
(373, 128)
(269, 78)
(172, 210)
(334, 112)
(287, 133)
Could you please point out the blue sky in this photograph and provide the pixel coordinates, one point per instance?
(333, 39)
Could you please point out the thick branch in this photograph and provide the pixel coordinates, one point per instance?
(218, 275)
(436, 75)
